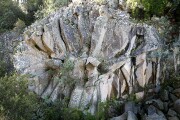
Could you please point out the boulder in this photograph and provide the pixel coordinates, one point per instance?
(177, 106)
(173, 118)
(177, 92)
(154, 117)
(130, 106)
(171, 113)
(131, 116)
(121, 117)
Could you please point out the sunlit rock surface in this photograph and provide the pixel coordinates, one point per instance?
(110, 53)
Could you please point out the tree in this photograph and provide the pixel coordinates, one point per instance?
(15, 100)
(9, 14)
(150, 7)
(32, 6)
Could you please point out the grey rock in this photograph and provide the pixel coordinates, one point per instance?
(173, 97)
(173, 118)
(54, 64)
(157, 89)
(122, 4)
(113, 3)
(130, 106)
(171, 113)
(154, 117)
(156, 102)
(151, 110)
(177, 106)
(165, 106)
(177, 92)
(131, 116)
(121, 117)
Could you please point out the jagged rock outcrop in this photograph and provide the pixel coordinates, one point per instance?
(110, 53)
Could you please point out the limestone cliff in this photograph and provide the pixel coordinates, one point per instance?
(109, 51)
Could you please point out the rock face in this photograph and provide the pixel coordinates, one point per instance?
(108, 50)
(8, 41)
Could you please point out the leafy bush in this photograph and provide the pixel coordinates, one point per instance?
(3, 69)
(15, 100)
(9, 14)
(173, 81)
(65, 74)
(147, 7)
(7, 20)
(17, 103)
(49, 6)
(11, 11)
(31, 6)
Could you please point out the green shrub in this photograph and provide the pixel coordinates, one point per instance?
(17, 103)
(65, 74)
(7, 20)
(3, 69)
(49, 6)
(9, 14)
(173, 81)
(147, 8)
(15, 100)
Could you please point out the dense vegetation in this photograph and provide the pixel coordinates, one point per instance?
(12, 12)
(28, 12)
(144, 9)
(18, 103)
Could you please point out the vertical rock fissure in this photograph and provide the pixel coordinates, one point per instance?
(62, 35)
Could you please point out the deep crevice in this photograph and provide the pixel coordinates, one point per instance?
(61, 35)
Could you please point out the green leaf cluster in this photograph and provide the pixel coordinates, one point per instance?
(147, 8)
(16, 102)
(50, 6)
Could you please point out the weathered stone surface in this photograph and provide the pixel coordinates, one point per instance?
(171, 113)
(177, 92)
(173, 97)
(108, 50)
(140, 71)
(173, 118)
(47, 38)
(54, 64)
(131, 116)
(122, 4)
(140, 95)
(177, 106)
(156, 102)
(121, 117)
(151, 110)
(165, 106)
(154, 117)
(130, 106)
(8, 43)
